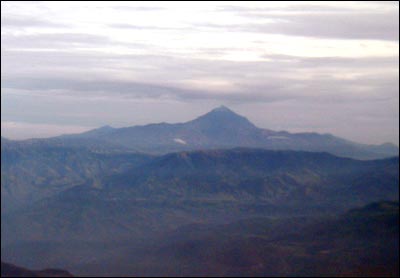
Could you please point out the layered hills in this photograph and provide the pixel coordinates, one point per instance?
(151, 192)
(216, 195)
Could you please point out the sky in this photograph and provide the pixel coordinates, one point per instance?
(327, 67)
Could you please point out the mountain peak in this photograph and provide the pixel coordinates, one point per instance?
(222, 108)
(222, 116)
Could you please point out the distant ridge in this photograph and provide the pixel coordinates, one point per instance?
(10, 270)
(219, 128)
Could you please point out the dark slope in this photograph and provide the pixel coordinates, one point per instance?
(276, 177)
(363, 242)
(142, 198)
(218, 185)
(10, 270)
(30, 172)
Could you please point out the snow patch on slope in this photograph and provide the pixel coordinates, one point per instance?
(277, 138)
(180, 141)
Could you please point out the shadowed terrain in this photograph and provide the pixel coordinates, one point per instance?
(362, 242)
(9, 270)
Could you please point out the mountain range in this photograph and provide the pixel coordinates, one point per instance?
(220, 128)
(114, 196)
(111, 196)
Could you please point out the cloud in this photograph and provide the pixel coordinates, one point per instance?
(375, 26)
(141, 27)
(278, 78)
(319, 88)
(9, 21)
(319, 21)
(117, 88)
(81, 86)
(337, 62)
(24, 130)
(137, 8)
(285, 7)
(57, 41)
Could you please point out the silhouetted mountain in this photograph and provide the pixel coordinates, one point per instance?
(10, 270)
(223, 128)
(374, 209)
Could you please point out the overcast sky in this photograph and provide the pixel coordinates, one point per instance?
(328, 67)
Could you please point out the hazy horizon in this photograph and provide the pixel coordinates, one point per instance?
(78, 130)
(326, 67)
